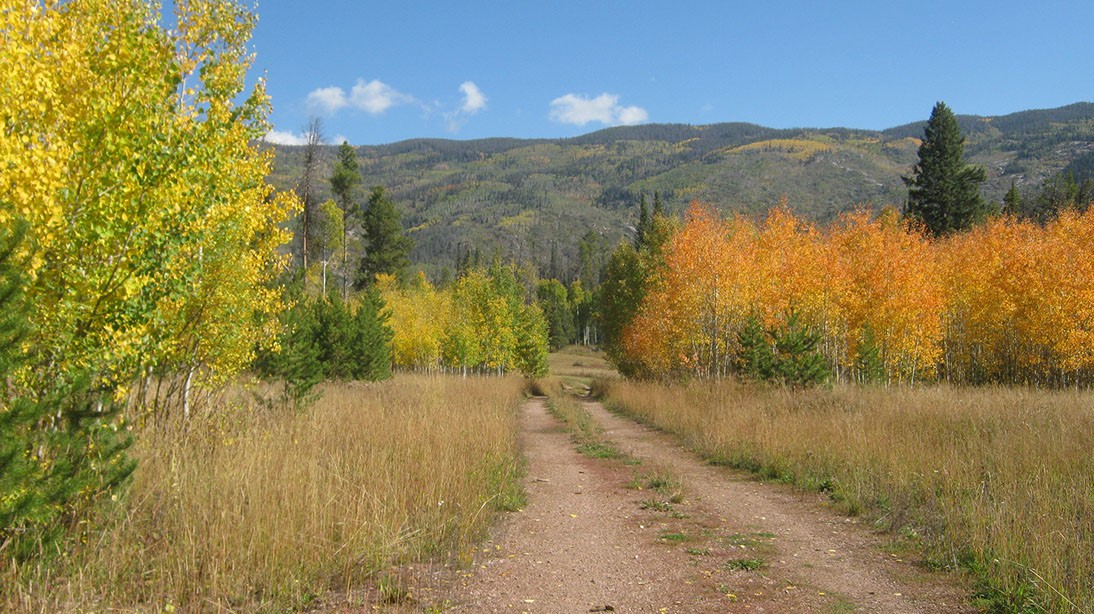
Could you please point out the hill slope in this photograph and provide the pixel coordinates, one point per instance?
(529, 198)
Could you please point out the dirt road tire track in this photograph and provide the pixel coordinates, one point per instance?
(583, 542)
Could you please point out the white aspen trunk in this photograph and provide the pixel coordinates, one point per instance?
(186, 394)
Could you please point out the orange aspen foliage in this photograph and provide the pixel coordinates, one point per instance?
(689, 321)
(1021, 302)
(894, 291)
(1008, 301)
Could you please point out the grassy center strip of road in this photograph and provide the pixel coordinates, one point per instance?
(751, 547)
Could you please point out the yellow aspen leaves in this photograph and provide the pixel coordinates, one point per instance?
(131, 151)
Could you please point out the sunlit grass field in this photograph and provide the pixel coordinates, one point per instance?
(576, 367)
(996, 480)
(255, 506)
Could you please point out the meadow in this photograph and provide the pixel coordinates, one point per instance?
(997, 481)
(253, 505)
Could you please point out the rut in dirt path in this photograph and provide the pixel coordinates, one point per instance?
(586, 542)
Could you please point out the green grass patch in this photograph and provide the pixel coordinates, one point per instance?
(750, 564)
(587, 434)
(599, 449)
(653, 504)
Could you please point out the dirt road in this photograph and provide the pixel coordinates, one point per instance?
(595, 536)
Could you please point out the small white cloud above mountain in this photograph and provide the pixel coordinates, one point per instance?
(373, 97)
(285, 137)
(327, 100)
(280, 137)
(473, 98)
(580, 110)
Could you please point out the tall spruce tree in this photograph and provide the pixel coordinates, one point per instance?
(343, 182)
(943, 191)
(1058, 192)
(387, 248)
(1012, 202)
(622, 288)
(643, 224)
(555, 302)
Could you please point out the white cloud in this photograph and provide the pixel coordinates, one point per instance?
(281, 137)
(327, 100)
(473, 98)
(605, 108)
(278, 137)
(629, 116)
(373, 97)
(473, 102)
(376, 96)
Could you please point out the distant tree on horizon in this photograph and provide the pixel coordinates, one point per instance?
(1012, 202)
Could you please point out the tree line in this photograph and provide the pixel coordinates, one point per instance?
(358, 312)
(949, 290)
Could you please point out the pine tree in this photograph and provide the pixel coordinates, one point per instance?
(334, 336)
(387, 247)
(798, 362)
(756, 357)
(60, 449)
(943, 191)
(554, 301)
(298, 363)
(343, 183)
(1085, 196)
(592, 252)
(1058, 192)
(643, 224)
(1012, 202)
(371, 341)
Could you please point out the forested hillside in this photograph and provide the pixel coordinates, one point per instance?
(534, 200)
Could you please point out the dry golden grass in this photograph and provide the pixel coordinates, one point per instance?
(997, 480)
(264, 508)
(577, 366)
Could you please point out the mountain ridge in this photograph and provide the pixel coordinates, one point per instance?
(534, 199)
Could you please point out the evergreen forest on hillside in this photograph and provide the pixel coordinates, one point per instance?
(536, 200)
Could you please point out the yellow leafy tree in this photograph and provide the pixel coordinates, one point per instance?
(420, 317)
(131, 152)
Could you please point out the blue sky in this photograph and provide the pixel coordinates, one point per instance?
(379, 72)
